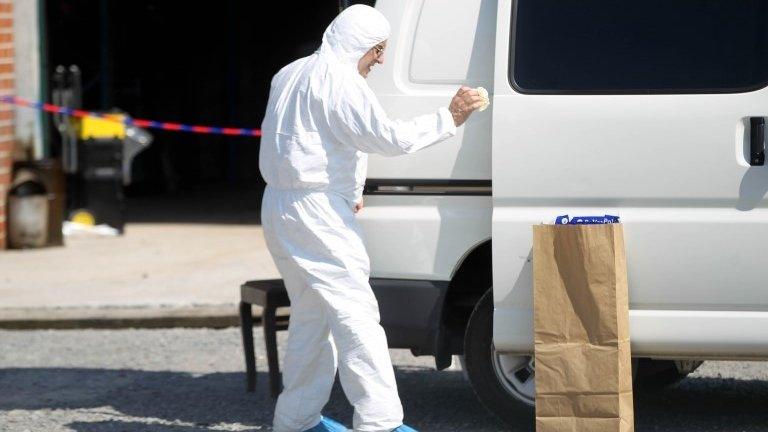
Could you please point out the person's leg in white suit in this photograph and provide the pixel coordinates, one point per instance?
(317, 245)
(309, 367)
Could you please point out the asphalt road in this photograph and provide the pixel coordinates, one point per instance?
(189, 380)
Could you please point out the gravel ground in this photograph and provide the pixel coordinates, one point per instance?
(185, 380)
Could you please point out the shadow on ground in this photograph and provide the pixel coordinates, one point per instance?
(114, 425)
(704, 404)
(434, 401)
(200, 402)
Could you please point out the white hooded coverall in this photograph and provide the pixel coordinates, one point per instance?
(321, 120)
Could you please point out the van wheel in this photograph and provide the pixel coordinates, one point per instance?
(503, 383)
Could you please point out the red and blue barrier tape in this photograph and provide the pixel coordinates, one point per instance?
(149, 124)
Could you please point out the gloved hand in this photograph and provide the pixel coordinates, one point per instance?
(463, 103)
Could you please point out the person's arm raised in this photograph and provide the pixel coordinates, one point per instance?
(359, 120)
(464, 103)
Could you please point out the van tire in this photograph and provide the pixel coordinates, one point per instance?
(479, 361)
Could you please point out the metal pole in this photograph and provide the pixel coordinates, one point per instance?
(42, 26)
(231, 83)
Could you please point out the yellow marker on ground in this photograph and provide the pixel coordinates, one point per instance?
(83, 217)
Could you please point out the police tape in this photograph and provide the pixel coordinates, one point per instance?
(150, 124)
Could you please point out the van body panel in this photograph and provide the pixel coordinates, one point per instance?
(675, 168)
(414, 81)
(425, 237)
(422, 237)
(662, 334)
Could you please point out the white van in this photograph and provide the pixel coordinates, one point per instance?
(649, 110)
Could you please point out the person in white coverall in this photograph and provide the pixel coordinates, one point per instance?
(321, 120)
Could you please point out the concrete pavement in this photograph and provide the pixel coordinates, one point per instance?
(187, 380)
(192, 380)
(157, 274)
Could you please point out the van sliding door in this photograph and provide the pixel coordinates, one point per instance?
(653, 111)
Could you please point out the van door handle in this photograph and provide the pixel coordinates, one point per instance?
(757, 141)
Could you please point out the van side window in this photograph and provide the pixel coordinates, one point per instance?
(454, 45)
(635, 47)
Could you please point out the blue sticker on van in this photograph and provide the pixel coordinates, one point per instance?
(586, 220)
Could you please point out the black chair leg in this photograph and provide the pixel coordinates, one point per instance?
(246, 325)
(270, 340)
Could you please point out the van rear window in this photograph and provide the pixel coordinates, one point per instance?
(630, 46)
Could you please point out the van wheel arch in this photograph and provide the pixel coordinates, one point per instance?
(469, 283)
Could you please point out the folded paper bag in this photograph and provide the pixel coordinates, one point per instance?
(581, 329)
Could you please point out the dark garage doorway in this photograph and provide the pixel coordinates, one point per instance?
(190, 62)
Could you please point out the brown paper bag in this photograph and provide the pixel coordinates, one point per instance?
(581, 329)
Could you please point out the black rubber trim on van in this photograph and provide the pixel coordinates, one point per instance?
(427, 187)
(411, 314)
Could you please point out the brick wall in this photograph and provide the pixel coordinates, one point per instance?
(6, 112)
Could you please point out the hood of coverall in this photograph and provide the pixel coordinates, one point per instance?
(353, 32)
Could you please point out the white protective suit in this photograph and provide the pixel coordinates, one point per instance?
(321, 120)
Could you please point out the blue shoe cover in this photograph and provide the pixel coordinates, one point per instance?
(327, 425)
(404, 428)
